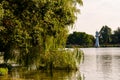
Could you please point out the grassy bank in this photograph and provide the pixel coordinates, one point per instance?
(79, 46)
(88, 46)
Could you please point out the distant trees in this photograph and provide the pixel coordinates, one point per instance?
(116, 36)
(106, 38)
(80, 38)
(105, 35)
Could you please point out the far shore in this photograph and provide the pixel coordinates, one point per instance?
(89, 46)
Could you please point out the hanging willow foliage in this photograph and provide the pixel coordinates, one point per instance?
(32, 28)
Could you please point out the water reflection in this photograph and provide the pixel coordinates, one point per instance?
(104, 66)
(101, 64)
(42, 75)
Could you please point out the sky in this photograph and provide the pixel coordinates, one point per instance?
(97, 13)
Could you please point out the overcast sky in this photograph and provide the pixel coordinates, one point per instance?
(97, 13)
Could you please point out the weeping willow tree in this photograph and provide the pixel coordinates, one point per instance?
(30, 30)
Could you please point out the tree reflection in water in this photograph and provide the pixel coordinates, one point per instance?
(23, 74)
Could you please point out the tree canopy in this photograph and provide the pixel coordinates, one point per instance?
(116, 36)
(29, 28)
(80, 38)
(105, 35)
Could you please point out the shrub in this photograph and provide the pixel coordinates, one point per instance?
(3, 71)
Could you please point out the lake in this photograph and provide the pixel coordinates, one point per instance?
(98, 64)
(101, 64)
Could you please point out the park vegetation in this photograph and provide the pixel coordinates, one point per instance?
(3, 71)
(80, 39)
(34, 32)
(107, 38)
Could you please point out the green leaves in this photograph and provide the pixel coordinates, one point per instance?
(80, 38)
(105, 34)
(30, 24)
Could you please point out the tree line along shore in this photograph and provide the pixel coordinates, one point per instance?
(107, 38)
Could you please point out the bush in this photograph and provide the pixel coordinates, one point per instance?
(3, 71)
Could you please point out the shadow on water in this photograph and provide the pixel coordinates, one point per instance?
(23, 74)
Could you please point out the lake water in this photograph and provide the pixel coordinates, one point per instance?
(101, 64)
(98, 64)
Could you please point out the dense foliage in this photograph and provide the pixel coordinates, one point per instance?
(30, 29)
(3, 71)
(80, 38)
(116, 36)
(107, 38)
(105, 35)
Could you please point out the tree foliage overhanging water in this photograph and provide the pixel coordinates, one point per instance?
(31, 29)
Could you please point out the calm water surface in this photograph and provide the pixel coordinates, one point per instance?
(101, 64)
(98, 64)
